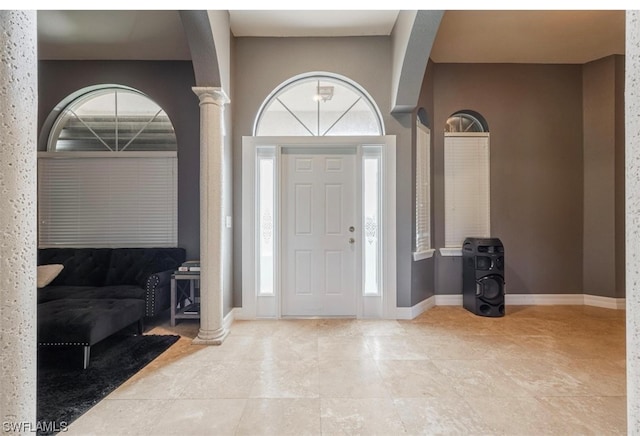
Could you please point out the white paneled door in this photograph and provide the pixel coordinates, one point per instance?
(319, 232)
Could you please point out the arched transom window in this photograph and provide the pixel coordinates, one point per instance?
(319, 104)
(466, 122)
(112, 119)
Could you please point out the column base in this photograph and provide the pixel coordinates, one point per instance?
(211, 337)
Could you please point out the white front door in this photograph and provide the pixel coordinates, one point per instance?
(319, 228)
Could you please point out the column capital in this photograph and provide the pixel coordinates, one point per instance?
(211, 95)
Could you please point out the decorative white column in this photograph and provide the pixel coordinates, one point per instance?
(212, 101)
(632, 204)
(18, 115)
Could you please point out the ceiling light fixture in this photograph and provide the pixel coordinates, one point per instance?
(323, 93)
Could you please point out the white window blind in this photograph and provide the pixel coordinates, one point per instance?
(466, 174)
(108, 201)
(423, 176)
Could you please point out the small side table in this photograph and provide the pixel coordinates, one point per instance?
(181, 292)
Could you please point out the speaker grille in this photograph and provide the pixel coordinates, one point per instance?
(483, 263)
(491, 287)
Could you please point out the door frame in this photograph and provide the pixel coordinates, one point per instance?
(269, 306)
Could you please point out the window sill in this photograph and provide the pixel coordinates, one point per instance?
(420, 255)
(451, 252)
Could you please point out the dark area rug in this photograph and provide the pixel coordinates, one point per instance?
(66, 391)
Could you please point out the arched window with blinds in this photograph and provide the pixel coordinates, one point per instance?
(109, 177)
(423, 247)
(467, 178)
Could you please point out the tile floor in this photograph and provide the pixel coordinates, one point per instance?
(539, 370)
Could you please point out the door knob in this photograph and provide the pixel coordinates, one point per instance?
(352, 241)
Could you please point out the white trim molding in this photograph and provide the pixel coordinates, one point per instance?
(415, 311)
(543, 299)
(240, 314)
(423, 254)
(456, 300)
(229, 318)
(605, 302)
(256, 305)
(451, 252)
(449, 300)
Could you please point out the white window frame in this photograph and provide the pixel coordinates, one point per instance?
(83, 96)
(460, 191)
(256, 305)
(324, 76)
(423, 247)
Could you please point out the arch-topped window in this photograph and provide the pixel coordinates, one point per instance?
(112, 118)
(466, 177)
(319, 104)
(466, 121)
(109, 177)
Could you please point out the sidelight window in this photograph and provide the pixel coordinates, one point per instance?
(371, 206)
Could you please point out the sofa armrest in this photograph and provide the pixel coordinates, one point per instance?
(158, 292)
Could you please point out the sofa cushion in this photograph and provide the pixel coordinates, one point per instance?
(132, 266)
(51, 293)
(82, 266)
(111, 292)
(85, 322)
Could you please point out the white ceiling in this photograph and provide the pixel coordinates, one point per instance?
(464, 36)
(312, 23)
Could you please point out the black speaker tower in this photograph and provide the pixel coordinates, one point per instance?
(483, 276)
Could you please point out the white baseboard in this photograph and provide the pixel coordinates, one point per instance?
(414, 311)
(228, 319)
(449, 300)
(605, 302)
(544, 299)
(510, 299)
(238, 313)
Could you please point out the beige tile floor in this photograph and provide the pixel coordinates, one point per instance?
(539, 370)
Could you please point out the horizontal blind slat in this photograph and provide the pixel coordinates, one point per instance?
(423, 201)
(467, 189)
(107, 201)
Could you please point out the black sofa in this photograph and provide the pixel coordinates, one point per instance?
(113, 273)
(100, 291)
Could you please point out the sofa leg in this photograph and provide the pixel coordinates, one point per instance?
(87, 353)
(140, 326)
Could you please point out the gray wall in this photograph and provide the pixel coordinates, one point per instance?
(262, 64)
(169, 84)
(602, 162)
(534, 114)
(423, 271)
